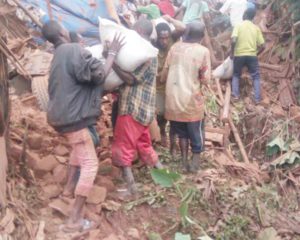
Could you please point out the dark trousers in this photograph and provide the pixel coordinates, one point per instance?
(194, 131)
(114, 112)
(251, 62)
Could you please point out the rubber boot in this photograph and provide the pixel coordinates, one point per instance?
(159, 165)
(184, 148)
(172, 144)
(162, 122)
(195, 165)
(128, 176)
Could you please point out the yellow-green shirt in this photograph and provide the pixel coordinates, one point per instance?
(249, 37)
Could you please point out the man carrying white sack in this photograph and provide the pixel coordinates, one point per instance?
(136, 112)
(235, 9)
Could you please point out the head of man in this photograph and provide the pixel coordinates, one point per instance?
(76, 38)
(163, 35)
(143, 27)
(194, 32)
(55, 33)
(249, 14)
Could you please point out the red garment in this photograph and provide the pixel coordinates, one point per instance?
(165, 6)
(130, 137)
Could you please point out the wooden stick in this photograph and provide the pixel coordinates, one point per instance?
(10, 55)
(215, 130)
(112, 10)
(27, 99)
(33, 18)
(226, 107)
(238, 140)
(276, 68)
(214, 137)
(3, 162)
(219, 89)
(237, 137)
(49, 10)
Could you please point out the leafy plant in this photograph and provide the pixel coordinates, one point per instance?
(211, 104)
(291, 157)
(235, 228)
(154, 236)
(164, 177)
(276, 146)
(181, 236)
(167, 179)
(290, 152)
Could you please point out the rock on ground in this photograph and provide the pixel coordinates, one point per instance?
(97, 195)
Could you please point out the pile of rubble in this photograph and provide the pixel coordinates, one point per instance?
(237, 135)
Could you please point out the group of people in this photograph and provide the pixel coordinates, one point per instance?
(166, 88)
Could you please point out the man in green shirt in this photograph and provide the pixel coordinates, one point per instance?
(193, 10)
(247, 43)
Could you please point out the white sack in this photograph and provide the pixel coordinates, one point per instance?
(112, 81)
(96, 51)
(225, 70)
(162, 20)
(135, 51)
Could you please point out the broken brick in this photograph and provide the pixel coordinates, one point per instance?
(97, 195)
(35, 141)
(60, 174)
(47, 163)
(52, 190)
(105, 182)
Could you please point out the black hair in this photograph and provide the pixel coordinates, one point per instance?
(195, 30)
(74, 37)
(250, 14)
(51, 30)
(162, 27)
(145, 26)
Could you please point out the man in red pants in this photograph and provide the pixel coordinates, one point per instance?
(136, 112)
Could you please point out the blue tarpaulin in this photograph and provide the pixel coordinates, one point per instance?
(75, 15)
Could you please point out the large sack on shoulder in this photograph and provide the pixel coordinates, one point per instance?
(112, 81)
(225, 70)
(135, 51)
(162, 20)
(96, 51)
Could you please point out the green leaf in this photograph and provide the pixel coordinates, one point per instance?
(289, 158)
(184, 210)
(272, 150)
(164, 177)
(154, 236)
(275, 146)
(180, 236)
(205, 238)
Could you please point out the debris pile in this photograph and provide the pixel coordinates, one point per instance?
(251, 161)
